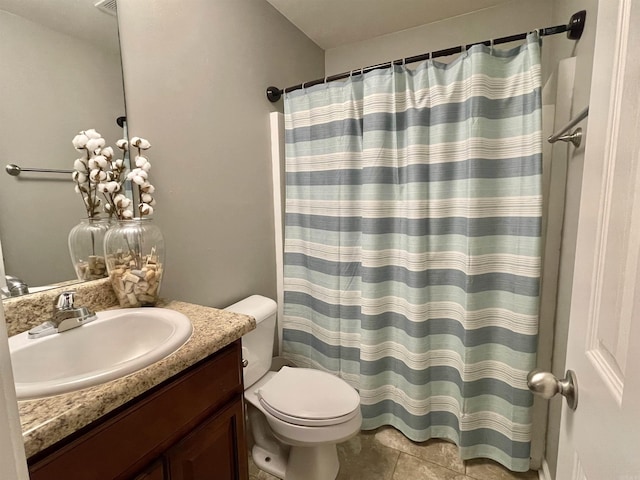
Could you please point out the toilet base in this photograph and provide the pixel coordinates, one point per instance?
(304, 463)
(313, 463)
(276, 465)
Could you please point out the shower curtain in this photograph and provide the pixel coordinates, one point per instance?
(412, 244)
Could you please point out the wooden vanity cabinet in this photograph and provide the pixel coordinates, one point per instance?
(191, 427)
(154, 472)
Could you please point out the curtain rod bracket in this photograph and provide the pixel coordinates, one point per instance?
(274, 94)
(576, 25)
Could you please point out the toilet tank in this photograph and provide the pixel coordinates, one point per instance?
(257, 345)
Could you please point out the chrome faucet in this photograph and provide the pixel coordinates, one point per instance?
(65, 316)
(15, 286)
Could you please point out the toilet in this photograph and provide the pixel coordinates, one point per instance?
(296, 415)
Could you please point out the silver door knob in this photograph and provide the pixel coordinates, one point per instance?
(546, 384)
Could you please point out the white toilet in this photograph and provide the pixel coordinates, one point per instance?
(307, 411)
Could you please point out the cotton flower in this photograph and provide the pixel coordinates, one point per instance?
(122, 201)
(107, 152)
(137, 176)
(146, 198)
(119, 199)
(145, 209)
(79, 177)
(80, 164)
(140, 143)
(80, 141)
(96, 175)
(141, 161)
(95, 143)
(127, 214)
(122, 144)
(92, 134)
(101, 160)
(148, 188)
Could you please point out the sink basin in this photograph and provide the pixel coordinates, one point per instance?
(118, 343)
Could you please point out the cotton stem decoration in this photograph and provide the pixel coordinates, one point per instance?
(117, 203)
(139, 176)
(89, 169)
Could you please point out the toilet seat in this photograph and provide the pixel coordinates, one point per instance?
(308, 397)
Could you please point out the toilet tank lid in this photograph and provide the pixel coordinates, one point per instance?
(257, 306)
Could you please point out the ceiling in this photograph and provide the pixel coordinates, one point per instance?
(332, 23)
(78, 18)
(329, 23)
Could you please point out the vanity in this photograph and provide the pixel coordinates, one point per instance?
(181, 418)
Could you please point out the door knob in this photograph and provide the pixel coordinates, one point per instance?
(546, 384)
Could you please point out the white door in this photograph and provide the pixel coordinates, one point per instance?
(600, 440)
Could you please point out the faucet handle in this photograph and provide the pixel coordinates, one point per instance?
(65, 301)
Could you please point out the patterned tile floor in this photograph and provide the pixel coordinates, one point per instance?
(385, 454)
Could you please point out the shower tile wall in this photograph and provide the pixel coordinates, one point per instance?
(386, 454)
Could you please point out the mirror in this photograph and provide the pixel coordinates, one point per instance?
(61, 73)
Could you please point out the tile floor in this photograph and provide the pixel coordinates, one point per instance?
(385, 454)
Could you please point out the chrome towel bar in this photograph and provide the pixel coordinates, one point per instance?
(574, 137)
(15, 170)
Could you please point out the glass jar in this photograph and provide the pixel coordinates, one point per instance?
(134, 252)
(86, 247)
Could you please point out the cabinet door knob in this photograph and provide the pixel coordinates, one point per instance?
(245, 363)
(546, 385)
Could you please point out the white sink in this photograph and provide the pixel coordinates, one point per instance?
(118, 343)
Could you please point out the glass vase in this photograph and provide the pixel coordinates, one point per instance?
(86, 247)
(134, 252)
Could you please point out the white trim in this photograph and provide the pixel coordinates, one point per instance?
(544, 473)
(276, 120)
(13, 463)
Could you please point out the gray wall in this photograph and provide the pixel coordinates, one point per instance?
(195, 76)
(505, 19)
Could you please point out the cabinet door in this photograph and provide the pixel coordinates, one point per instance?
(155, 472)
(215, 450)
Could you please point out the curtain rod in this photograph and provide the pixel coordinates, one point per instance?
(574, 31)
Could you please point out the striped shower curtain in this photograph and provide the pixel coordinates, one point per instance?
(412, 244)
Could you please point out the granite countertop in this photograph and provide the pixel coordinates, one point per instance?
(48, 420)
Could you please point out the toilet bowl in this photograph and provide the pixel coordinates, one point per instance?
(296, 415)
